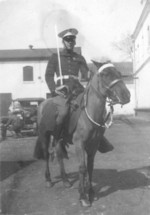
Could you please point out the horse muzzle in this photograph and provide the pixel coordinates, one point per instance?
(121, 98)
(125, 97)
(124, 100)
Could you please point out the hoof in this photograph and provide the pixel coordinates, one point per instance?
(67, 184)
(49, 184)
(85, 203)
(92, 196)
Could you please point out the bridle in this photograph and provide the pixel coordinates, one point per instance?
(108, 65)
(108, 88)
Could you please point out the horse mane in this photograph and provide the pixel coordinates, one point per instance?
(84, 98)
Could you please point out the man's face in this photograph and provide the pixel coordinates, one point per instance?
(69, 42)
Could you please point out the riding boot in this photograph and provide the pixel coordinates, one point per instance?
(105, 145)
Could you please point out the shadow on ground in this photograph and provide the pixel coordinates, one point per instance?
(114, 180)
(107, 181)
(7, 168)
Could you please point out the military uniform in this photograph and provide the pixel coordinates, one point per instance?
(71, 64)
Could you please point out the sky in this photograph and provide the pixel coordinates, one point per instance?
(99, 22)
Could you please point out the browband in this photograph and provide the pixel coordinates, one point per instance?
(105, 66)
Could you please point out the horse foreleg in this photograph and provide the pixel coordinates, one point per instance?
(82, 176)
(90, 165)
(60, 156)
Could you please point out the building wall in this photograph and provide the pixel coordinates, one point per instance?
(11, 77)
(142, 64)
(143, 87)
(142, 44)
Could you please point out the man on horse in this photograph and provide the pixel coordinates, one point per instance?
(63, 66)
(60, 68)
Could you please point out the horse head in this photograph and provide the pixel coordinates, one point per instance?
(110, 84)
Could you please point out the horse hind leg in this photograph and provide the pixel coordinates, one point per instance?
(51, 148)
(60, 157)
(46, 142)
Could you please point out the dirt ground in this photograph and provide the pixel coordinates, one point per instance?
(121, 178)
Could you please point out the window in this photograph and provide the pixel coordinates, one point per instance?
(27, 73)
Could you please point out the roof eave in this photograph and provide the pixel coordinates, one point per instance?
(29, 55)
(142, 18)
(24, 59)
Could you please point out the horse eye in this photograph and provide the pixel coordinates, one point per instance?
(102, 74)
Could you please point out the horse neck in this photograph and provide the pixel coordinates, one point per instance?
(95, 101)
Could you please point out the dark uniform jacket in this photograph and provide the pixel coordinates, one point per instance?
(71, 64)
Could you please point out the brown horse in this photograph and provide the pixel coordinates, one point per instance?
(89, 129)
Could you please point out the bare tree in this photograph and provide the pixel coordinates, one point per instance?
(125, 45)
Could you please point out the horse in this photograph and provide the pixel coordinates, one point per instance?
(88, 132)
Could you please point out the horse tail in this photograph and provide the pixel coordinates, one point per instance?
(38, 150)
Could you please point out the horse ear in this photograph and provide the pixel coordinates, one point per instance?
(97, 64)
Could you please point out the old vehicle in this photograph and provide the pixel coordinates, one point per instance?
(29, 106)
(24, 121)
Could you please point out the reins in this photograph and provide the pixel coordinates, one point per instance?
(109, 114)
(106, 124)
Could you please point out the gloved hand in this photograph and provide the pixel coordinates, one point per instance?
(53, 94)
(74, 105)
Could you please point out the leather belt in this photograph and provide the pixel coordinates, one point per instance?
(65, 77)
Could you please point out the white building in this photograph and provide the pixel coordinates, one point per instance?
(141, 38)
(22, 75)
(22, 72)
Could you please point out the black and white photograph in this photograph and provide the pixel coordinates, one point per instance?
(75, 107)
